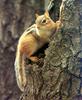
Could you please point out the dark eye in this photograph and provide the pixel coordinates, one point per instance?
(44, 21)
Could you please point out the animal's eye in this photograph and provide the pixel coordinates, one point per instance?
(44, 21)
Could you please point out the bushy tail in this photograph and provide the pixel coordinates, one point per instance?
(20, 70)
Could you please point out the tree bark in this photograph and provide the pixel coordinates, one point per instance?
(15, 17)
(56, 76)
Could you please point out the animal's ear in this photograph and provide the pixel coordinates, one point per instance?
(46, 13)
(36, 15)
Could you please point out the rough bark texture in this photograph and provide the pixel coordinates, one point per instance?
(56, 76)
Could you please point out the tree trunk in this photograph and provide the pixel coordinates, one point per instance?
(56, 76)
(15, 17)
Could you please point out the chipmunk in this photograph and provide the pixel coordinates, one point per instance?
(30, 41)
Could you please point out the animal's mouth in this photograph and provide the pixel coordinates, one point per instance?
(53, 32)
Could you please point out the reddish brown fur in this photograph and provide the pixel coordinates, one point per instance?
(28, 46)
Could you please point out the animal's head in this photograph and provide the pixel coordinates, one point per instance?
(44, 22)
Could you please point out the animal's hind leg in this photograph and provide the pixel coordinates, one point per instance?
(34, 58)
(31, 57)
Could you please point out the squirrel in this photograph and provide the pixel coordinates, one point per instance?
(30, 41)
